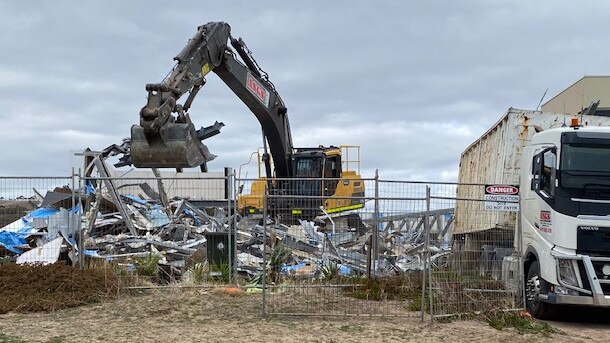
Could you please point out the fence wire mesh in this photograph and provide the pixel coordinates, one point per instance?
(162, 229)
(36, 215)
(346, 262)
(312, 246)
(401, 253)
(482, 271)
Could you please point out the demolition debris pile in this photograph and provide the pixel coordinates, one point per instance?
(97, 222)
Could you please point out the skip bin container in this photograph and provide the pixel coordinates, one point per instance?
(218, 249)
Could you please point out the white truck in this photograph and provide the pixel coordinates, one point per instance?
(563, 225)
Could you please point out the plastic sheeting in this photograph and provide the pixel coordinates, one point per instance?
(9, 240)
(46, 254)
(157, 217)
(14, 234)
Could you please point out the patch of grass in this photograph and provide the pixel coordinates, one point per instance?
(415, 301)
(57, 339)
(199, 272)
(402, 287)
(465, 293)
(9, 339)
(522, 323)
(278, 256)
(148, 265)
(352, 328)
(330, 270)
(219, 271)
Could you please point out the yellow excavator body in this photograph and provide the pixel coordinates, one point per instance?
(349, 188)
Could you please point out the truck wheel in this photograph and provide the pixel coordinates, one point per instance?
(533, 304)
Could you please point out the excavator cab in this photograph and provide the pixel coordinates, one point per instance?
(327, 177)
(316, 176)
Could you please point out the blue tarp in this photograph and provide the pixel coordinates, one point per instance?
(344, 270)
(43, 212)
(10, 239)
(195, 217)
(292, 268)
(157, 216)
(135, 199)
(89, 189)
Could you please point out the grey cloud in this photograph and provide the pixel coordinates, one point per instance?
(412, 82)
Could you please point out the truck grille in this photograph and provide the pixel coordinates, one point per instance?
(597, 266)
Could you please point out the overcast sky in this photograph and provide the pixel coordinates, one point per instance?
(412, 82)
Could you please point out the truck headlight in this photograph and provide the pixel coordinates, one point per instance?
(567, 272)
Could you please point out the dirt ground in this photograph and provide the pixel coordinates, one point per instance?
(208, 316)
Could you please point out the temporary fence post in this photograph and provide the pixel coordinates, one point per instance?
(71, 227)
(425, 267)
(81, 233)
(234, 221)
(368, 257)
(228, 192)
(376, 224)
(521, 271)
(429, 256)
(264, 281)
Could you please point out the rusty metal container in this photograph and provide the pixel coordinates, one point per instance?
(495, 158)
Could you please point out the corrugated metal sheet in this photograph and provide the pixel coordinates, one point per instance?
(495, 158)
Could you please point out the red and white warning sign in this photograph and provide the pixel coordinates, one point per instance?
(501, 189)
(501, 198)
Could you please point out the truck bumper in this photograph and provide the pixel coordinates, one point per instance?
(595, 293)
(582, 300)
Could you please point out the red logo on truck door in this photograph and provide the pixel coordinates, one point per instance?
(257, 89)
(545, 222)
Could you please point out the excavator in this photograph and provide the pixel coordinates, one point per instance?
(304, 182)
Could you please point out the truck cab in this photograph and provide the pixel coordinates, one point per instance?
(565, 219)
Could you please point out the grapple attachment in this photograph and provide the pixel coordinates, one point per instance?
(176, 146)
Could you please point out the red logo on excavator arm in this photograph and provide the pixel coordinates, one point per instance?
(257, 90)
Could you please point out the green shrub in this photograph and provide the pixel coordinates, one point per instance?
(147, 266)
(522, 323)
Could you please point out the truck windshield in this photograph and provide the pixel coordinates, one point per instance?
(585, 166)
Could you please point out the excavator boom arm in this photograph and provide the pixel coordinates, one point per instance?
(162, 140)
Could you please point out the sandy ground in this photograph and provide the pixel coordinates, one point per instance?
(207, 316)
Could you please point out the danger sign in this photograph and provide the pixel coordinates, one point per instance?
(501, 189)
(501, 198)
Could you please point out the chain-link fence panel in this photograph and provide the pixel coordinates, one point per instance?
(39, 220)
(311, 246)
(162, 229)
(330, 254)
(482, 271)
